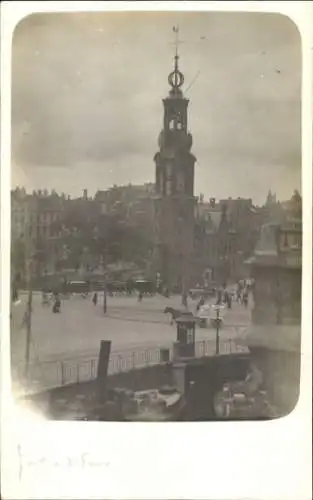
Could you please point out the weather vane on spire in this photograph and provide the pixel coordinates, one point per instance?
(176, 78)
(176, 31)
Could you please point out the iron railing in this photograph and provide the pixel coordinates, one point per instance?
(50, 374)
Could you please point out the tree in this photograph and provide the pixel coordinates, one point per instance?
(90, 238)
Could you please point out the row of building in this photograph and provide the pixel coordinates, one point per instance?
(226, 231)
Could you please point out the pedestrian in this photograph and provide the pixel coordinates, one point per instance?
(57, 304)
(95, 298)
(140, 295)
(239, 290)
(229, 300)
(200, 303)
(245, 298)
(219, 297)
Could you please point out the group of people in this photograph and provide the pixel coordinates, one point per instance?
(49, 297)
(241, 295)
(225, 296)
(222, 295)
(52, 297)
(55, 298)
(242, 291)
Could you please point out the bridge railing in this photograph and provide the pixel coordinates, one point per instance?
(58, 373)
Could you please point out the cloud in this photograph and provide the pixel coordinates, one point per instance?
(88, 88)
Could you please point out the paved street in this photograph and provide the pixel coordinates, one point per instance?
(80, 327)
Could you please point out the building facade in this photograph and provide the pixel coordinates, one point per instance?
(226, 234)
(174, 186)
(275, 334)
(34, 219)
(276, 267)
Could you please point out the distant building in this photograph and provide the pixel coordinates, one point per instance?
(19, 213)
(272, 210)
(226, 233)
(140, 216)
(35, 221)
(119, 197)
(245, 221)
(133, 205)
(215, 245)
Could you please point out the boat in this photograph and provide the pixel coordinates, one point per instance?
(157, 405)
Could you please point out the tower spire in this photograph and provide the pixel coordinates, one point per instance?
(176, 78)
(174, 186)
(176, 31)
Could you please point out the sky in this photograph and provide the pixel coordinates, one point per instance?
(87, 92)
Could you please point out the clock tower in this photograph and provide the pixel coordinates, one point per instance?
(175, 201)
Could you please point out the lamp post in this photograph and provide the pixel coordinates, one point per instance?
(184, 297)
(28, 313)
(104, 299)
(222, 265)
(185, 281)
(217, 324)
(28, 324)
(103, 267)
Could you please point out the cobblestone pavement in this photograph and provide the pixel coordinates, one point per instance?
(80, 327)
(62, 345)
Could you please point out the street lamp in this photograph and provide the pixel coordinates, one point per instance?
(28, 319)
(223, 268)
(217, 323)
(104, 299)
(28, 313)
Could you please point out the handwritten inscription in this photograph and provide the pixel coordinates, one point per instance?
(81, 462)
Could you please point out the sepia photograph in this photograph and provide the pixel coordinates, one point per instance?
(156, 216)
